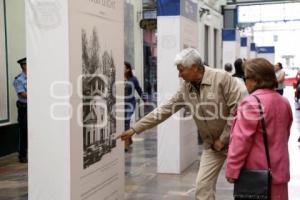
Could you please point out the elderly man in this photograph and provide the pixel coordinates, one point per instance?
(213, 95)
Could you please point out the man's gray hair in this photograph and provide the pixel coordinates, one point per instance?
(188, 57)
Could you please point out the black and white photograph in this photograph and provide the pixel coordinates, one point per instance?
(99, 99)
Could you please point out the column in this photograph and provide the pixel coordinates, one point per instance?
(253, 53)
(177, 29)
(231, 45)
(74, 49)
(245, 48)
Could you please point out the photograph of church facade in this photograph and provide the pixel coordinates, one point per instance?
(98, 88)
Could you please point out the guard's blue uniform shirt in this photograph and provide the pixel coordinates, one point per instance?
(20, 84)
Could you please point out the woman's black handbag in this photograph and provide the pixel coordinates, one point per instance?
(255, 184)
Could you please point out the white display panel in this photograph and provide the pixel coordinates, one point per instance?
(168, 38)
(177, 154)
(253, 54)
(102, 166)
(75, 115)
(231, 48)
(189, 132)
(245, 50)
(230, 52)
(3, 67)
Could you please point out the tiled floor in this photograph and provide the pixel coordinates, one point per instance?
(142, 181)
(13, 179)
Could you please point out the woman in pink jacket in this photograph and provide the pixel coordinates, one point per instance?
(246, 149)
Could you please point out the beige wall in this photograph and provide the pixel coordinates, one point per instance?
(15, 16)
(214, 21)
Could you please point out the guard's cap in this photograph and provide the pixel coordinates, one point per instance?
(22, 61)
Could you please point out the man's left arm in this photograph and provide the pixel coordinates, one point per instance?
(232, 95)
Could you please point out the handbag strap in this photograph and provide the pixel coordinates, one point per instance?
(264, 131)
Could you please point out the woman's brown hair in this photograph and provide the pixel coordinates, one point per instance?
(128, 67)
(262, 72)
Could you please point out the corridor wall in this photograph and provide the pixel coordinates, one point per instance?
(12, 48)
(210, 34)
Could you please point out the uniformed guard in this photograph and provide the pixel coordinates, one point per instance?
(20, 84)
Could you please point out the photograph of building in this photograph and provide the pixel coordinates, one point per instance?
(98, 82)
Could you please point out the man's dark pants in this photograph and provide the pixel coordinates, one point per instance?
(22, 119)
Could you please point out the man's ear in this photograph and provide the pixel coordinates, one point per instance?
(194, 67)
